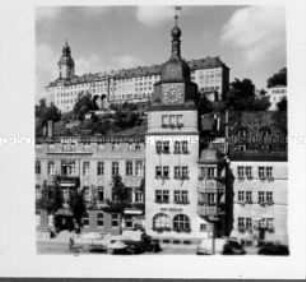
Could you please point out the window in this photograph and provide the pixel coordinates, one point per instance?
(166, 172)
(158, 172)
(203, 227)
(100, 193)
(261, 197)
(100, 219)
(128, 221)
(211, 199)
(181, 223)
(85, 220)
(166, 147)
(115, 168)
(181, 197)
(210, 173)
(37, 167)
(240, 196)
(261, 172)
(269, 197)
(185, 147)
(162, 196)
(248, 172)
(86, 168)
(240, 172)
(172, 121)
(165, 120)
(129, 168)
(50, 168)
(241, 225)
(269, 172)
(248, 223)
(177, 172)
(185, 172)
(115, 220)
(270, 224)
(161, 221)
(158, 146)
(86, 194)
(248, 197)
(138, 196)
(100, 168)
(138, 169)
(177, 147)
(38, 192)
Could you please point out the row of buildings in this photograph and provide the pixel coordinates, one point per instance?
(135, 85)
(184, 182)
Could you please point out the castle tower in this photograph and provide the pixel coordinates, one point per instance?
(66, 63)
(172, 151)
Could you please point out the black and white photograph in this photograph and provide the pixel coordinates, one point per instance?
(152, 139)
(155, 135)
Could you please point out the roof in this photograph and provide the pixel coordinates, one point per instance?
(194, 64)
(259, 156)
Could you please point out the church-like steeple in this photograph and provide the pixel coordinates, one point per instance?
(66, 63)
(176, 34)
(175, 69)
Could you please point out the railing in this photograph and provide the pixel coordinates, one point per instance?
(206, 210)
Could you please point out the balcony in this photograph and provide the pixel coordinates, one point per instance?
(206, 210)
(210, 184)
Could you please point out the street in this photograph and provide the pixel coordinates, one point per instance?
(55, 247)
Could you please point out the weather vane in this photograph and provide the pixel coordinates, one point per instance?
(177, 10)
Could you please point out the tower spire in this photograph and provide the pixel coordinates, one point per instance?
(177, 10)
(176, 34)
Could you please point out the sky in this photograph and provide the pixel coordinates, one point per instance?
(251, 40)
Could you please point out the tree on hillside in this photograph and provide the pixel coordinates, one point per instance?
(83, 105)
(278, 79)
(45, 113)
(205, 106)
(241, 97)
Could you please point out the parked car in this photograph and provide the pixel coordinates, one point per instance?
(206, 246)
(225, 246)
(233, 247)
(273, 249)
(88, 242)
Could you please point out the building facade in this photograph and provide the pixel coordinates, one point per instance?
(90, 164)
(260, 199)
(276, 94)
(133, 85)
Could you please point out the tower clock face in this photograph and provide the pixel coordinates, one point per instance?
(173, 93)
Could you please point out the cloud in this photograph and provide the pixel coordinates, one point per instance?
(89, 64)
(257, 31)
(154, 15)
(47, 13)
(46, 68)
(126, 61)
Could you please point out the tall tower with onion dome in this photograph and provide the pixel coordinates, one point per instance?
(172, 152)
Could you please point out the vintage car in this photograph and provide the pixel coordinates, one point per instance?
(225, 246)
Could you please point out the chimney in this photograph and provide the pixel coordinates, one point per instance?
(50, 128)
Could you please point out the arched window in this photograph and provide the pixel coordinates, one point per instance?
(161, 221)
(181, 223)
